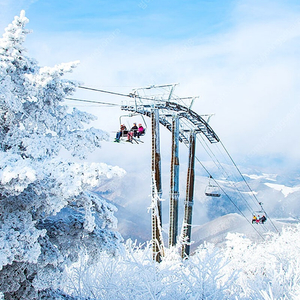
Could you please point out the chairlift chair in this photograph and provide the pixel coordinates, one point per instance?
(128, 125)
(258, 215)
(212, 190)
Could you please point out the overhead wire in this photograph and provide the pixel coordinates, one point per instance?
(219, 165)
(117, 94)
(130, 95)
(221, 188)
(235, 177)
(92, 101)
(225, 172)
(233, 183)
(229, 198)
(102, 91)
(227, 175)
(249, 187)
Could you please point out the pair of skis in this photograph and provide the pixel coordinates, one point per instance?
(133, 141)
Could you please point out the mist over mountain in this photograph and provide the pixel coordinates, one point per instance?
(213, 217)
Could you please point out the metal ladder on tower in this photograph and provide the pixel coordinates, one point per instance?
(157, 238)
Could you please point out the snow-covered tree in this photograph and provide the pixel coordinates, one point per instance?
(47, 216)
(136, 276)
(239, 269)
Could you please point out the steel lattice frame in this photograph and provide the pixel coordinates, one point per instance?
(166, 108)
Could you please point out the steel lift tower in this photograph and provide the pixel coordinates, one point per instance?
(159, 104)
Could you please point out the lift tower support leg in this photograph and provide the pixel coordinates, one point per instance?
(188, 206)
(157, 242)
(174, 183)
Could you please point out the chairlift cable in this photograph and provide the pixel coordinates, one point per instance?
(102, 91)
(248, 206)
(236, 178)
(127, 95)
(228, 197)
(249, 187)
(115, 93)
(221, 168)
(227, 175)
(234, 185)
(238, 190)
(92, 101)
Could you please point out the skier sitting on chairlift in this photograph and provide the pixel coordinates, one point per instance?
(140, 131)
(133, 132)
(123, 130)
(258, 219)
(263, 219)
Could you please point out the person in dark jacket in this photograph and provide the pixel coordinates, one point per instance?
(263, 219)
(133, 132)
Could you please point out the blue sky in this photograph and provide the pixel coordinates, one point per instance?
(241, 57)
(159, 19)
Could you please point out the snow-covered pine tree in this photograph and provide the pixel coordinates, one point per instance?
(46, 215)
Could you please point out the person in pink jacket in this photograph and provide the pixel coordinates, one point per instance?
(141, 130)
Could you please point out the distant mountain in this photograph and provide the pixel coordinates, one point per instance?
(133, 226)
(280, 195)
(213, 217)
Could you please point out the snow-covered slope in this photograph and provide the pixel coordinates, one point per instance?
(285, 190)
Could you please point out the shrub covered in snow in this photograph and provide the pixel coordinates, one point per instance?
(47, 217)
(240, 270)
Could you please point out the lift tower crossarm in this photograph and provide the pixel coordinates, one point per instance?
(196, 122)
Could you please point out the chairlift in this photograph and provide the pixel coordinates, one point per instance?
(212, 190)
(259, 217)
(124, 120)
